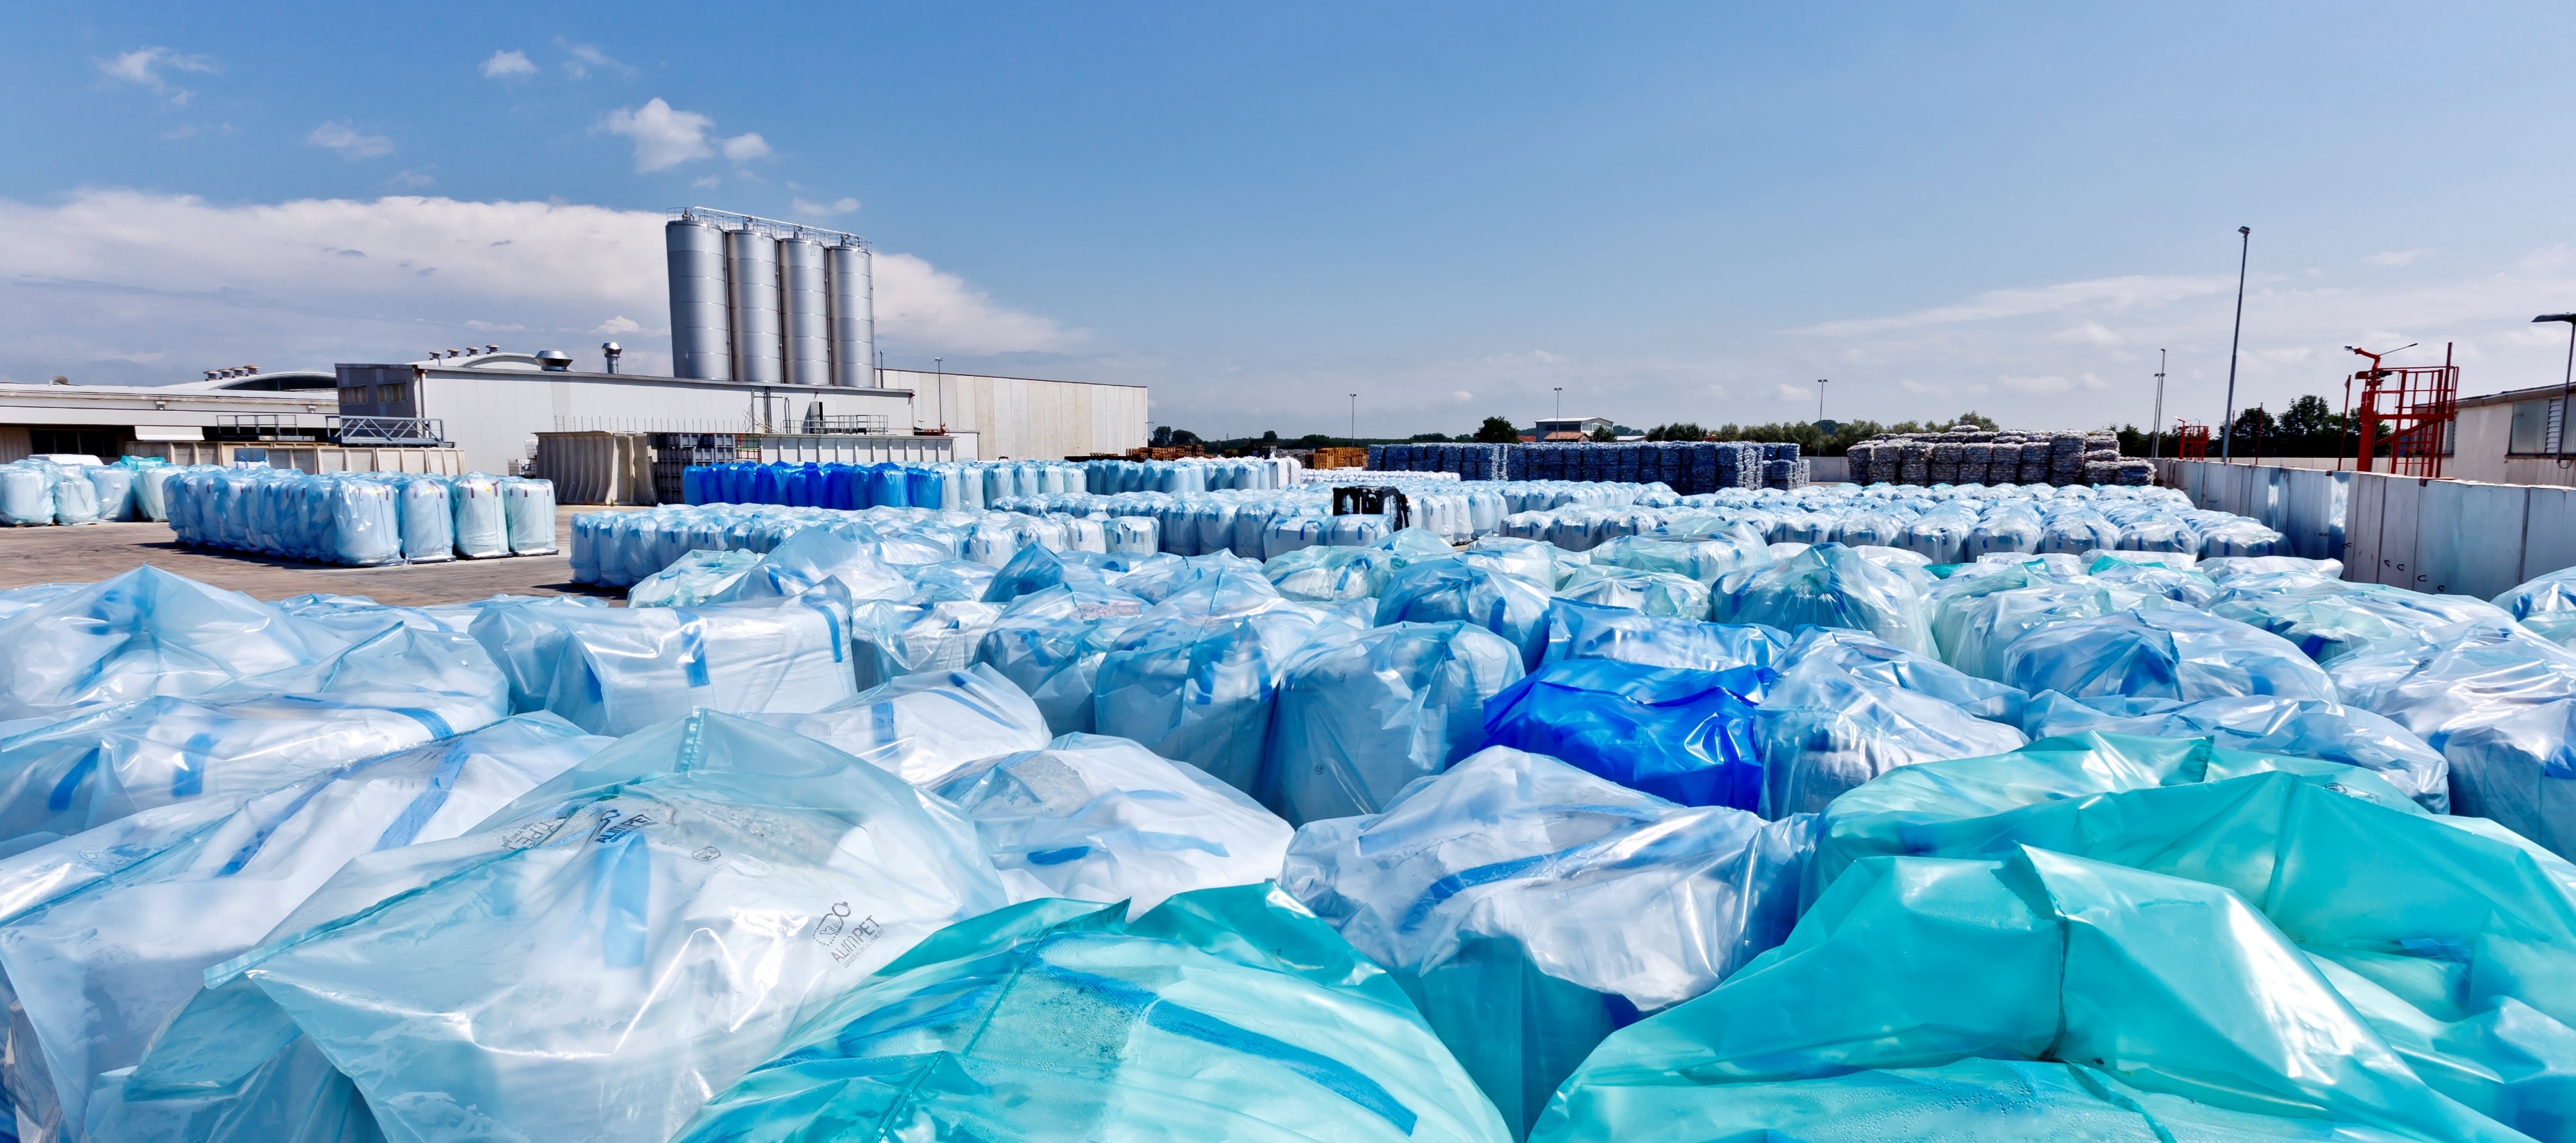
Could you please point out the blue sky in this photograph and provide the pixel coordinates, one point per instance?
(1673, 211)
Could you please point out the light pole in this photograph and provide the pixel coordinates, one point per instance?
(2156, 443)
(2227, 424)
(1355, 420)
(1560, 411)
(1820, 400)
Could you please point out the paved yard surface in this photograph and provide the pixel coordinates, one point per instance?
(97, 551)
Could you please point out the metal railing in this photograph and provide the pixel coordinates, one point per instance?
(266, 427)
(775, 228)
(389, 430)
(869, 423)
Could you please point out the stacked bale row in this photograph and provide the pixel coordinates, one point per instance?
(1687, 467)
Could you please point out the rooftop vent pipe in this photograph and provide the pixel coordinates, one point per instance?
(554, 361)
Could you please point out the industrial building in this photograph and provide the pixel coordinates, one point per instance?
(773, 336)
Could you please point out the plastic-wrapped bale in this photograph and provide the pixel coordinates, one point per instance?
(1939, 537)
(1705, 559)
(145, 632)
(75, 498)
(482, 521)
(816, 557)
(1941, 466)
(1103, 819)
(669, 860)
(2242, 538)
(2033, 468)
(2137, 571)
(1842, 714)
(890, 640)
(1586, 631)
(427, 521)
(151, 491)
(1973, 459)
(2546, 605)
(1976, 619)
(112, 486)
(1828, 585)
(1192, 678)
(700, 576)
(2224, 568)
(1331, 574)
(2330, 619)
(2501, 707)
(617, 670)
(1951, 970)
(1360, 716)
(1914, 465)
(1531, 909)
(1050, 643)
(1160, 577)
(1682, 735)
(26, 494)
(91, 914)
(2171, 653)
(1441, 591)
(1221, 1014)
(1655, 593)
(2304, 728)
(2005, 532)
(2076, 532)
(1540, 564)
(1868, 528)
(922, 727)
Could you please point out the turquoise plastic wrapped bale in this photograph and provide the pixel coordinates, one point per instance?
(1193, 677)
(1531, 908)
(2452, 937)
(2172, 986)
(1050, 643)
(113, 486)
(26, 494)
(921, 727)
(699, 576)
(616, 670)
(427, 522)
(2330, 619)
(2501, 707)
(482, 523)
(143, 633)
(2306, 728)
(599, 927)
(1221, 1014)
(1441, 591)
(90, 916)
(2165, 653)
(1102, 819)
(1655, 593)
(1360, 716)
(890, 640)
(1847, 709)
(1540, 564)
(1684, 736)
(1704, 560)
(1829, 585)
(528, 510)
(1586, 631)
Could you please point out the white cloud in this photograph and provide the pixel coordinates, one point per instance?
(412, 180)
(805, 209)
(585, 58)
(2089, 333)
(1718, 391)
(619, 324)
(2046, 384)
(315, 281)
(2395, 257)
(666, 137)
(707, 181)
(508, 65)
(143, 67)
(1461, 396)
(1912, 386)
(2098, 293)
(344, 137)
(1800, 393)
(2090, 381)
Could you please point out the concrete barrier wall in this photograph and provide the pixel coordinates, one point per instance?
(2451, 537)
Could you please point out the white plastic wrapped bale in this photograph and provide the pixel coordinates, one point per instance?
(1192, 679)
(2501, 707)
(426, 521)
(891, 640)
(146, 632)
(1835, 720)
(1975, 619)
(2329, 619)
(75, 498)
(528, 511)
(1360, 716)
(2173, 653)
(2305, 728)
(482, 522)
(1829, 585)
(1585, 631)
(1103, 819)
(616, 670)
(700, 576)
(814, 557)
(921, 727)
(2545, 605)
(1530, 908)
(1654, 593)
(151, 482)
(1441, 591)
(114, 487)
(135, 911)
(26, 494)
(1050, 643)
(599, 927)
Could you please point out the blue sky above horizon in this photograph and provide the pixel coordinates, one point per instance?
(1672, 211)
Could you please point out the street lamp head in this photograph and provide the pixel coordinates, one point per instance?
(2248, 231)
(2571, 318)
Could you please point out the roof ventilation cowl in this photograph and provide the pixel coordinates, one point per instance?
(554, 361)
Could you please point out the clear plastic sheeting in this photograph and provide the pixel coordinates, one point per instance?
(2165, 653)
(1103, 819)
(616, 670)
(1443, 591)
(598, 927)
(1050, 643)
(528, 511)
(1193, 677)
(1845, 711)
(1653, 592)
(99, 914)
(2178, 988)
(1682, 735)
(481, 522)
(2329, 619)
(921, 727)
(146, 632)
(1829, 585)
(701, 576)
(2501, 707)
(1585, 631)
(896, 639)
(1530, 908)
(1222, 1014)
(2306, 728)
(1361, 716)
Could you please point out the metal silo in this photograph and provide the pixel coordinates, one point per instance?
(758, 347)
(701, 315)
(804, 304)
(854, 316)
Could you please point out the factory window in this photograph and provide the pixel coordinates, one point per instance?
(2536, 429)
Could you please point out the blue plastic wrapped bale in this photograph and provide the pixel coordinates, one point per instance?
(112, 486)
(145, 632)
(1976, 617)
(1586, 631)
(1192, 679)
(1050, 644)
(1889, 665)
(2135, 981)
(1360, 717)
(528, 509)
(1222, 1014)
(1829, 585)
(2139, 572)
(1833, 722)
(26, 494)
(1654, 593)
(1441, 591)
(890, 640)
(616, 670)
(2242, 537)
(2501, 707)
(1530, 908)
(2329, 619)
(482, 522)
(922, 727)
(426, 521)
(1331, 574)
(701, 576)
(1105, 820)
(90, 916)
(815, 558)
(2168, 653)
(2546, 605)
(75, 498)
(1682, 735)
(151, 491)
(2304, 728)
(668, 861)
(1533, 561)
